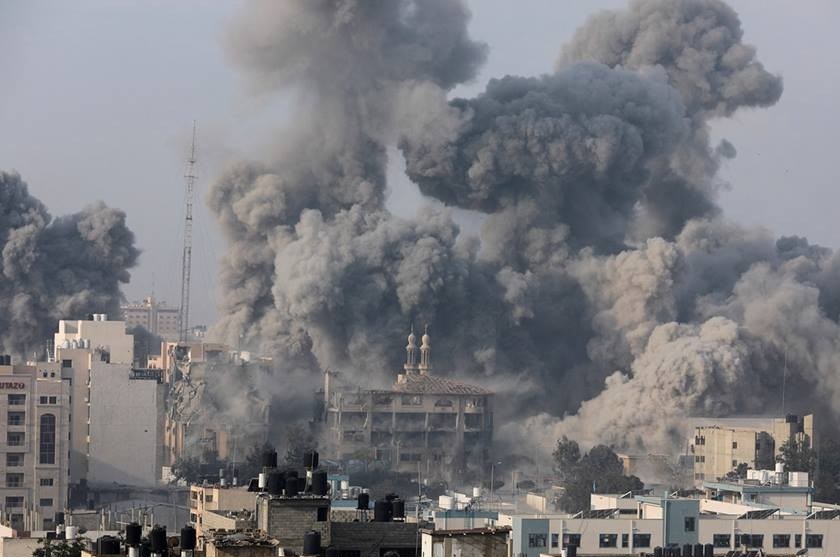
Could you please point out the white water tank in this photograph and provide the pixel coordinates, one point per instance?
(71, 532)
(780, 467)
(798, 479)
(446, 502)
(476, 492)
(262, 480)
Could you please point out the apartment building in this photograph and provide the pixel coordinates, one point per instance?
(719, 445)
(156, 317)
(424, 422)
(205, 499)
(35, 406)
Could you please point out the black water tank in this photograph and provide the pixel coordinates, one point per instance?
(391, 497)
(382, 511)
(310, 460)
(108, 545)
(133, 534)
(274, 483)
(657, 552)
(145, 549)
(291, 487)
(320, 486)
(59, 518)
(291, 473)
(269, 459)
(187, 538)
(157, 537)
(363, 502)
(698, 550)
(708, 550)
(571, 550)
(688, 550)
(398, 506)
(331, 552)
(312, 543)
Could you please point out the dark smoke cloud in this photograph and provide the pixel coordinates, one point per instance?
(607, 298)
(56, 268)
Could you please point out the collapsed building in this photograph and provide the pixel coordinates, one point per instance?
(214, 404)
(423, 423)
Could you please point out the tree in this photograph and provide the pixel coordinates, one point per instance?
(299, 440)
(598, 471)
(59, 548)
(252, 465)
(798, 457)
(738, 473)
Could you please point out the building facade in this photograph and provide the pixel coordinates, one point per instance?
(154, 316)
(423, 423)
(35, 403)
(719, 445)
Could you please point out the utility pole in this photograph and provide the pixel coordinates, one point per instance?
(190, 177)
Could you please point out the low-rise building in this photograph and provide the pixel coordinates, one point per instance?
(215, 498)
(35, 404)
(424, 422)
(474, 542)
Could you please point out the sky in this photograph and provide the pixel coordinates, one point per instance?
(98, 98)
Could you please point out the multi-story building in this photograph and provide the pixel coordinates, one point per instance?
(154, 316)
(205, 499)
(35, 406)
(424, 422)
(719, 445)
(126, 425)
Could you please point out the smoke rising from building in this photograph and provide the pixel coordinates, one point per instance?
(607, 296)
(56, 268)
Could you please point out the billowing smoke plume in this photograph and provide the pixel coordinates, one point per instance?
(56, 268)
(605, 286)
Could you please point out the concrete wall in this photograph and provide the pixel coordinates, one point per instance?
(464, 545)
(372, 539)
(681, 521)
(288, 519)
(126, 427)
(109, 335)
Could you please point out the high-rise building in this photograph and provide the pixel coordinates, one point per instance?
(154, 316)
(35, 405)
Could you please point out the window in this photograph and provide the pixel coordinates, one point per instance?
(47, 439)
(781, 540)
(208, 498)
(42, 400)
(410, 457)
(17, 400)
(536, 540)
(797, 540)
(193, 518)
(625, 540)
(750, 540)
(734, 444)
(53, 400)
(443, 403)
(45, 502)
(641, 540)
(571, 539)
(720, 540)
(14, 459)
(323, 513)
(46, 482)
(14, 502)
(607, 540)
(16, 418)
(14, 438)
(14, 480)
(555, 540)
(66, 363)
(412, 400)
(688, 523)
(813, 540)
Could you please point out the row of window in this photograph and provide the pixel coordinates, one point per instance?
(20, 400)
(643, 540)
(46, 445)
(17, 502)
(757, 540)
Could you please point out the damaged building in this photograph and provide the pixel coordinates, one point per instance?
(424, 422)
(214, 402)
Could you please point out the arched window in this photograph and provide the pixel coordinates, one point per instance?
(47, 439)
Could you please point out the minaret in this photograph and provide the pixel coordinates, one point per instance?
(425, 352)
(411, 353)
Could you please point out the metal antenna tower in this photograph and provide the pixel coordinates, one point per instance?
(186, 261)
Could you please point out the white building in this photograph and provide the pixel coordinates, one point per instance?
(35, 405)
(154, 316)
(126, 425)
(107, 339)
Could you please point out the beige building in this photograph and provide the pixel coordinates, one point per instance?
(35, 405)
(427, 422)
(205, 500)
(154, 316)
(106, 339)
(720, 445)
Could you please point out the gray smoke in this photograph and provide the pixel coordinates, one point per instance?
(606, 287)
(56, 268)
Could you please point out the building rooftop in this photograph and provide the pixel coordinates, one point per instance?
(433, 384)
